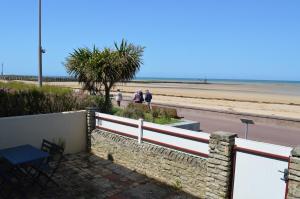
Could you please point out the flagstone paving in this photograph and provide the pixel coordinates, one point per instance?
(86, 175)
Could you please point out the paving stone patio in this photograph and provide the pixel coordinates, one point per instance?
(86, 175)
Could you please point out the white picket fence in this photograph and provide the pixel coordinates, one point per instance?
(192, 142)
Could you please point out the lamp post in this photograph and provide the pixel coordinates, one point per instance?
(40, 49)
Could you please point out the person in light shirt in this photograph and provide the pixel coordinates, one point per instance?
(119, 97)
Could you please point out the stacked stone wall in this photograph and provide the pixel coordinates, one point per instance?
(90, 124)
(294, 174)
(203, 177)
(183, 171)
(219, 165)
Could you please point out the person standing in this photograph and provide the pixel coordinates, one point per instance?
(141, 96)
(137, 97)
(148, 98)
(119, 97)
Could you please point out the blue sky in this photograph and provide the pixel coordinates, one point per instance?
(248, 39)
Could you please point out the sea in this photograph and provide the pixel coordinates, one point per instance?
(220, 81)
(190, 80)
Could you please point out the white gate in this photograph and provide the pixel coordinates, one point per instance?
(259, 170)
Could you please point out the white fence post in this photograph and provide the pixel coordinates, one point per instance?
(140, 130)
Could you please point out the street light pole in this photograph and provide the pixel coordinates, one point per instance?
(40, 50)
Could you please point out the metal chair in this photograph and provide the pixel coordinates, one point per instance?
(48, 167)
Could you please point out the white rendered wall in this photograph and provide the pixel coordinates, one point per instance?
(257, 176)
(31, 129)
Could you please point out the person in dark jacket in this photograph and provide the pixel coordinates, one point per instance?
(141, 96)
(148, 98)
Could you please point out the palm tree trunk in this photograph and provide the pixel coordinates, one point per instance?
(107, 103)
(107, 93)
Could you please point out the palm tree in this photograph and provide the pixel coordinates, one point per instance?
(77, 66)
(95, 68)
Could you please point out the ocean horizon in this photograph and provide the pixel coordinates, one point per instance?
(190, 80)
(215, 80)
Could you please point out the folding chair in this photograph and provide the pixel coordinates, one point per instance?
(48, 167)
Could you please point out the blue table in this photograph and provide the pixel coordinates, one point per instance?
(22, 154)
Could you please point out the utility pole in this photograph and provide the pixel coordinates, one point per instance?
(2, 69)
(40, 49)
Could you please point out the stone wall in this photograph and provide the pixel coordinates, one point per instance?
(219, 165)
(178, 169)
(90, 125)
(203, 177)
(294, 174)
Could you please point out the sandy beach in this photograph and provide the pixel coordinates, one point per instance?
(264, 99)
(277, 100)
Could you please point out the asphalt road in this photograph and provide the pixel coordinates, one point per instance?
(270, 133)
(264, 132)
